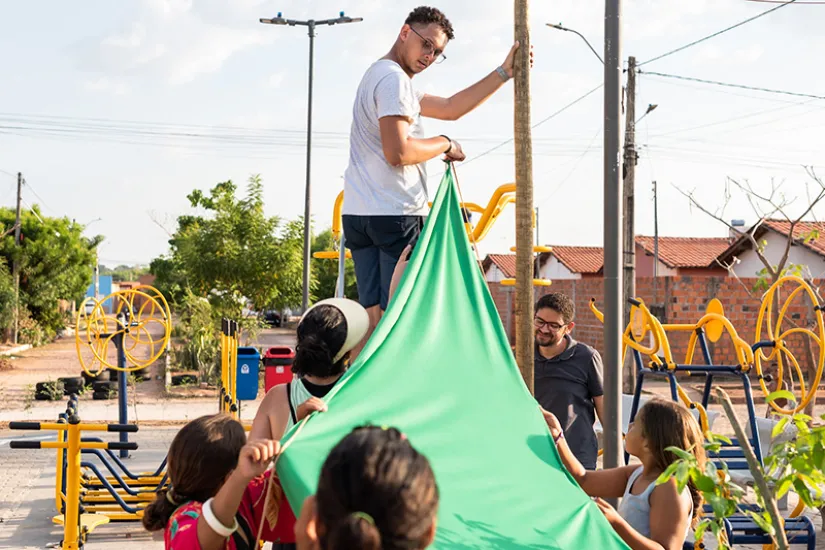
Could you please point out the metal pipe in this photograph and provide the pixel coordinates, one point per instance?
(340, 291)
(612, 234)
(307, 220)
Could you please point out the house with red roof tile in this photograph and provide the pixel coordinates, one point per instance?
(678, 256)
(807, 248)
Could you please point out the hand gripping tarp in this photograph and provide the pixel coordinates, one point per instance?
(440, 369)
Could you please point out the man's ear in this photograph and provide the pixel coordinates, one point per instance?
(570, 327)
(404, 33)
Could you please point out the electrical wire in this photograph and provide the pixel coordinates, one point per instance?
(42, 202)
(6, 172)
(572, 170)
(695, 42)
(729, 85)
(536, 125)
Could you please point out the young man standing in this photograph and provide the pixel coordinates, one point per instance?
(568, 376)
(385, 184)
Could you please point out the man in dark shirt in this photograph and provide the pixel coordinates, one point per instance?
(568, 376)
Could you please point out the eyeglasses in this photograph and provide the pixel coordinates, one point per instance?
(541, 323)
(429, 48)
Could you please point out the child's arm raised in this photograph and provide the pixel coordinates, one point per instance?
(252, 462)
(597, 483)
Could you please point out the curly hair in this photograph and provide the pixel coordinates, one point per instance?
(425, 15)
(558, 302)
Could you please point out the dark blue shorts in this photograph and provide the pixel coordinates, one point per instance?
(376, 243)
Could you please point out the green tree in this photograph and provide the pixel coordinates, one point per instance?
(233, 252)
(56, 263)
(6, 296)
(326, 271)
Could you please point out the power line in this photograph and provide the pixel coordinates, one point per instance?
(536, 125)
(729, 85)
(8, 173)
(30, 188)
(686, 46)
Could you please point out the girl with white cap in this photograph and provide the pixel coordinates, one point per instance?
(327, 333)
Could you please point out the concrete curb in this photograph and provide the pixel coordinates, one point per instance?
(15, 351)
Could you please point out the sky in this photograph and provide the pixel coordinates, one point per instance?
(117, 110)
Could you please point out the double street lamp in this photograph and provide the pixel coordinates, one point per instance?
(310, 24)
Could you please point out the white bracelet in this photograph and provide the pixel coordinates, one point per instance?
(215, 524)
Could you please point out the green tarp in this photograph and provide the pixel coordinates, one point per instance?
(439, 368)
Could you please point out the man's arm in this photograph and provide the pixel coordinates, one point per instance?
(402, 150)
(458, 105)
(598, 403)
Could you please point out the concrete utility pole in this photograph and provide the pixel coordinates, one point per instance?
(630, 158)
(612, 234)
(310, 24)
(524, 197)
(16, 263)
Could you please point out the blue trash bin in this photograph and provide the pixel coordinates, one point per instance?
(247, 377)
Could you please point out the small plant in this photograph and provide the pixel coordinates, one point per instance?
(798, 463)
(53, 389)
(28, 397)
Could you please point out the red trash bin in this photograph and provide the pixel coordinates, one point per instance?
(278, 366)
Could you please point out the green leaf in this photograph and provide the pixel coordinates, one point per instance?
(700, 529)
(681, 453)
(779, 427)
(763, 520)
(784, 486)
(780, 394)
(668, 473)
(704, 483)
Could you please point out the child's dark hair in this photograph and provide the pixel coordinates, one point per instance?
(376, 492)
(321, 334)
(668, 424)
(202, 454)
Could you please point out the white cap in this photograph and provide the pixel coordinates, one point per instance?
(358, 322)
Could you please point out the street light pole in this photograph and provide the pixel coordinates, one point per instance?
(310, 24)
(612, 234)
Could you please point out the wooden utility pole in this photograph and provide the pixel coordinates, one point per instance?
(524, 196)
(629, 257)
(16, 263)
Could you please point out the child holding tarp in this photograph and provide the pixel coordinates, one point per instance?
(651, 515)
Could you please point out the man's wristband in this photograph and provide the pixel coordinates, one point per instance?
(502, 73)
(449, 142)
(556, 439)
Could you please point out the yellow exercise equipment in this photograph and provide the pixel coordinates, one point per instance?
(134, 311)
(76, 526)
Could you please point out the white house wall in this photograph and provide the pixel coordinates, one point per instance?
(553, 269)
(749, 264)
(494, 274)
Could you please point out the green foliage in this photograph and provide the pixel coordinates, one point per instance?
(765, 280)
(56, 263)
(326, 271)
(201, 338)
(233, 252)
(6, 295)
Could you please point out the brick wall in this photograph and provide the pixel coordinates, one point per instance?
(684, 300)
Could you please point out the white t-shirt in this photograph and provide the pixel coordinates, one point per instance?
(373, 187)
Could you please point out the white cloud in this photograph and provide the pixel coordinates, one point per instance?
(176, 40)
